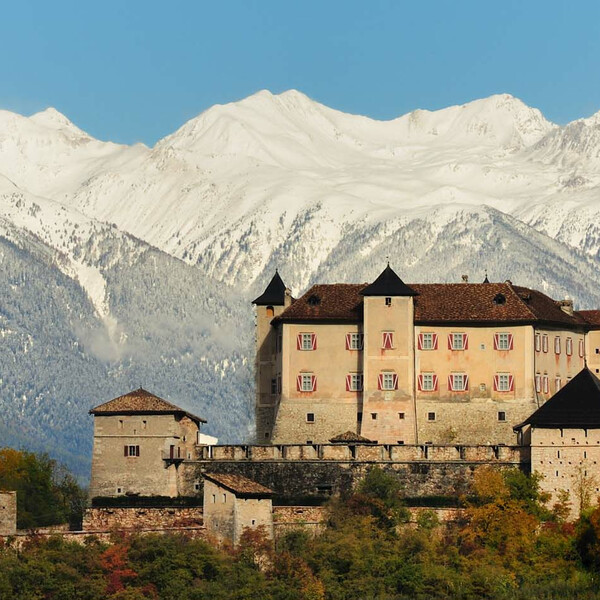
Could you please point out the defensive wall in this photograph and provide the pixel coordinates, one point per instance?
(298, 472)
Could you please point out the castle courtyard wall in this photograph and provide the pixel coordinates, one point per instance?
(8, 513)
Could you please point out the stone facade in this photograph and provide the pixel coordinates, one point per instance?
(8, 513)
(226, 515)
(159, 443)
(118, 518)
(568, 459)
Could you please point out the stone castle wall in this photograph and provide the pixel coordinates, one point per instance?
(8, 513)
(117, 518)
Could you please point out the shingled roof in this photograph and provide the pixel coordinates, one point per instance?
(576, 406)
(239, 485)
(350, 437)
(140, 402)
(274, 294)
(451, 303)
(388, 284)
(591, 317)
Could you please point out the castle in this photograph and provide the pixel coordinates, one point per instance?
(411, 364)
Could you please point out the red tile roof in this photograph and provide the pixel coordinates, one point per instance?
(591, 317)
(438, 303)
(140, 401)
(239, 485)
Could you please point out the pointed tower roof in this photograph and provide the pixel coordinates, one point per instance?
(577, 405)
(388, 284)
(274, 294)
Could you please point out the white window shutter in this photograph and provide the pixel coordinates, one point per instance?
(538, 383)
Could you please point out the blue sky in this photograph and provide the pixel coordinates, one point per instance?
(132, 71)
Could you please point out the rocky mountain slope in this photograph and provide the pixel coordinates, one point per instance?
(135, 265)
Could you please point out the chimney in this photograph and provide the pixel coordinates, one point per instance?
(465, 279)
(566, 306)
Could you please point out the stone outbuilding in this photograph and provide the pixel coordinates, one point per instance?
(8, 513)
(233, 503)
(140, 440)
(564, 436)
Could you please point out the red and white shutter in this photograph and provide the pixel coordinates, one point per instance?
(465, 341)
(450, 342)
(435, 382)
(313, 383)
(313, 341)
(538, 383)
(510, 341)
(435, 341)
(496, 341)
(299, 342)
(387, 340)
(348, 341)
(511, 383)
(496, 382)
(451, 383)
(420, 383)
(466, 380)
(420, 342)
(380, 381)
(348, 383)
(299, 383)
(394, 381)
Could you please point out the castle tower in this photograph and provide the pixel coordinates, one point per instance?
(270, 304)
(388, 412)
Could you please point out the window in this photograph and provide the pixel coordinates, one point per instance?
(224, 497)
(501, 415)
(581, 348)
(374, 416)
(545, 343)
(503, 341)
(131, 450)
(270, 311)
(214, 498)
(431, 416)
(354, 341)
(458, 341)
(120, 423)
(427, 341)
(545, 384)
(144, 424)
(401, 416)
(310, 417)
(274, 385)
(387, 381)
(427, 382)
(354, 382)
(557, 384)
(569, 346)
(458, 382)
(196, 486)
(538, 383)
(556, 345)
(119, 490)
(387, 340)
(503, 382)
(538, 342)
(306, 341)
(306, 382)
(388, 301)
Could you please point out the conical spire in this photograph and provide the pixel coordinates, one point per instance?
(388, 284)
(274, 294)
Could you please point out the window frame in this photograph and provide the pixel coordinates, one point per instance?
(355, 341)
(433, 339)
(504, 382)
(452, 378)
(503, 341)
(384, 377)
(354, 382)
(427, 376)
(387, 340)
(302, 385)
(464, 341)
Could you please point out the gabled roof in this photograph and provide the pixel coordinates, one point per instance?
(274, 294)
(576, 406)
(350, 437)
(451, 303)
(241, 486)
(140, 402)
(388, 284)
(591, 317)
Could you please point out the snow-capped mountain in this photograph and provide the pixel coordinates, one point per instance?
(273, 180)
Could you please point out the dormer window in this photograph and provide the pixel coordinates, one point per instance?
(314, 300)
(499, 299)
(388, 301)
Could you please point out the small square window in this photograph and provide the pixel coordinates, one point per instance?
(501, 415)
(401, 415)
(119, 490)
(196, 486)
(388, 301)
(374, 416)
(310, 417)
(309, 442)
(431, 416)
(401, 442)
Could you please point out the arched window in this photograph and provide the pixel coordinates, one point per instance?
(270, 311)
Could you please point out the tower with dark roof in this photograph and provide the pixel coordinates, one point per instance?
(268, 364)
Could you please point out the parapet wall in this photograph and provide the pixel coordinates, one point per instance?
(119, 518)
(299, 472)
